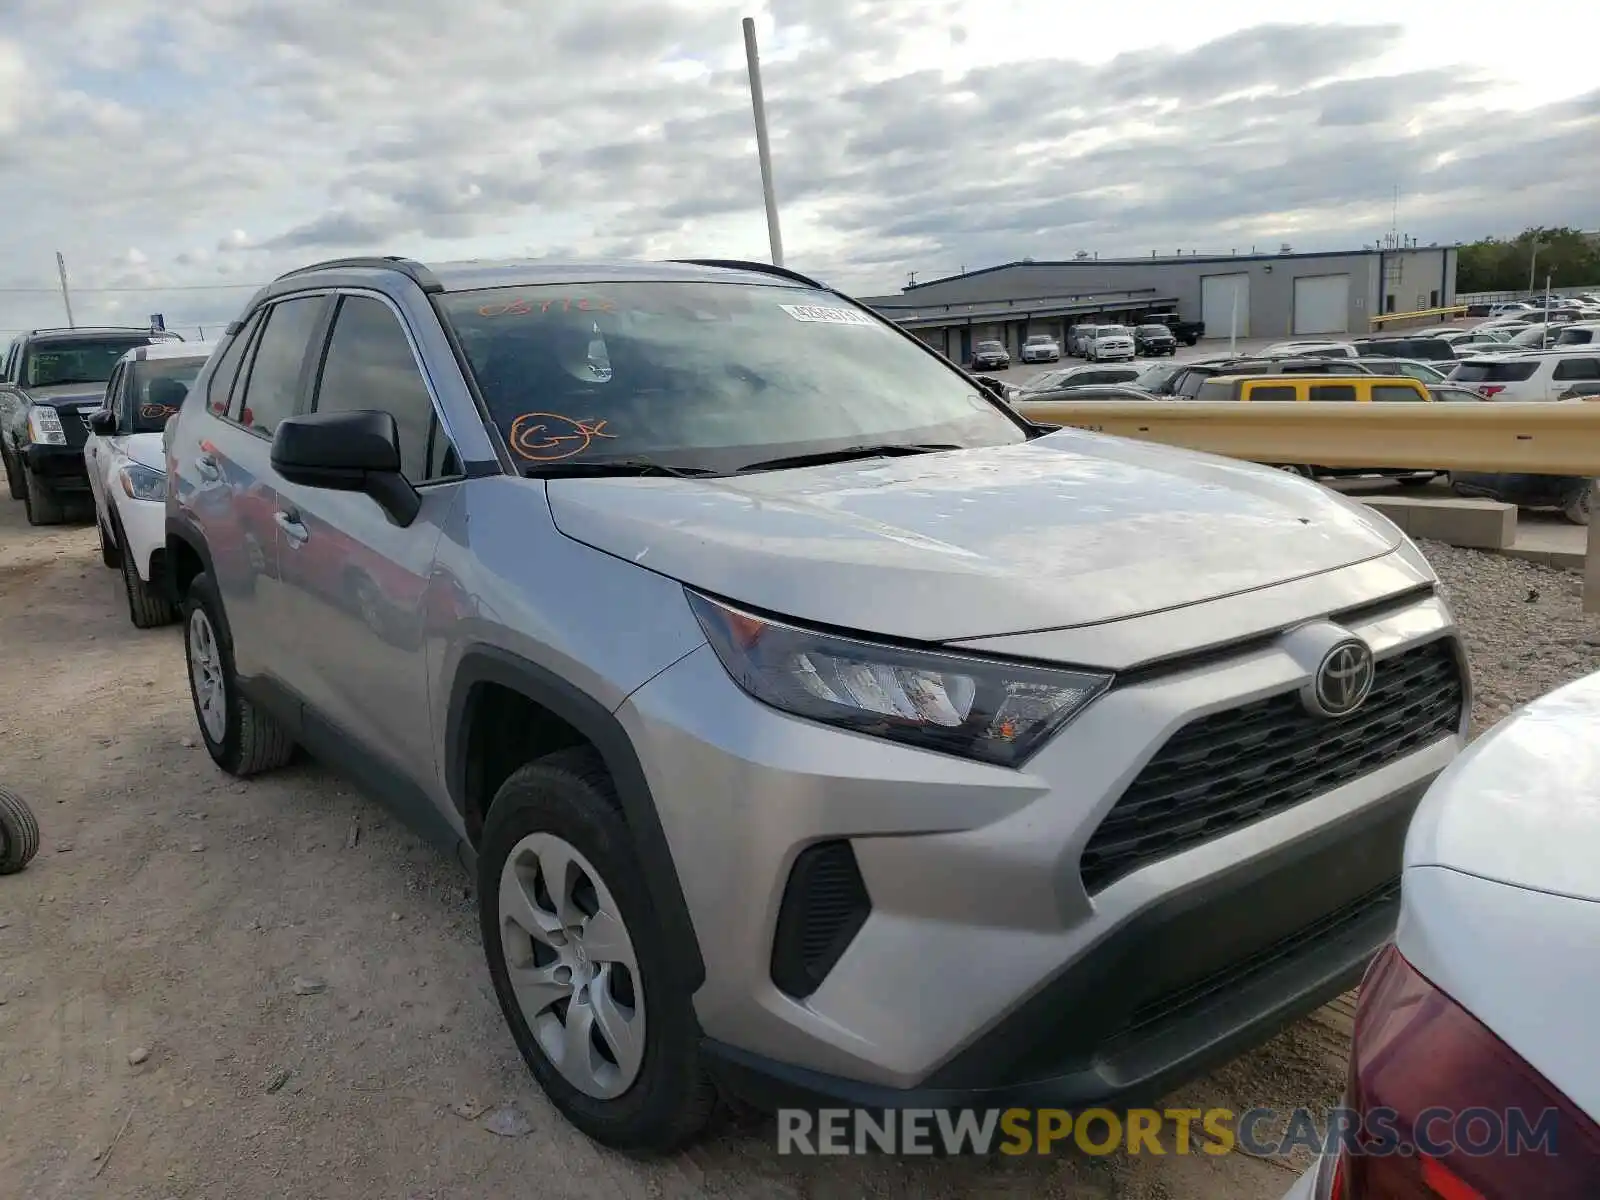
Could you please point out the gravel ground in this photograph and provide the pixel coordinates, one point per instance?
(219, 989)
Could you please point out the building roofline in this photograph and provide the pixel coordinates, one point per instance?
(1167, 259)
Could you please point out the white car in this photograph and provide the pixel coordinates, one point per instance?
(1041, 347)
(127, 468)
(1310, 349)
(1109, 343)
(1536, 376)
(1483, 1006)
(1510, 308)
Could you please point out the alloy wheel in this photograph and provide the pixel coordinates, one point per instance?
(205, 676)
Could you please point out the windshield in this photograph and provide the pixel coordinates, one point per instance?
(1112, 331)
(159, 386)
(990, 346)
(1149, 329)
(1040, 339)
(80, 360)
(1537, 336)
(706, 376)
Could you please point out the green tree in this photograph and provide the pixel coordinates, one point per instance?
(1492, 264)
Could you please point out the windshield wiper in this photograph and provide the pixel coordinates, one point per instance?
(821, 457)
(569, 468)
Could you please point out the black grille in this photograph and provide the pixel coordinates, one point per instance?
(824, 906)
(1231, 768)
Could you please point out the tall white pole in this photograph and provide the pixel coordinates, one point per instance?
(1545, 340)
(1233, 322)
(763, 149)
(66, 296)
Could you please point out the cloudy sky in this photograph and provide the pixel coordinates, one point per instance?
(170, 149)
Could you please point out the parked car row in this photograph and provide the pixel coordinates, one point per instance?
(536, 604)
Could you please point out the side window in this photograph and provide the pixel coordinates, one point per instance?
(1190, 386)
(117, 395)
(272, 389)
(1388, 392)
(8, 366)
(1215, 390)
(1578, 368)
(1272, 392)
(369, 365)
(1345, 392)
(220, 386)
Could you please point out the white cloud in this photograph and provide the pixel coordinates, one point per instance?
(907, 135)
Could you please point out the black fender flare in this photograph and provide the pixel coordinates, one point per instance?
(490, 664)
(182, 533)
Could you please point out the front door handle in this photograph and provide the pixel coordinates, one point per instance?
(207, 467)
(289, 522)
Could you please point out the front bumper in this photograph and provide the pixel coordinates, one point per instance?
(995, 364)
(61, 467)
(144, 531)
(985, 971)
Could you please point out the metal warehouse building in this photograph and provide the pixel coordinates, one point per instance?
(1252, 295)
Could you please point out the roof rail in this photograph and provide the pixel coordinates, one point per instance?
(90, 329)
(739, 264)
(414, 271)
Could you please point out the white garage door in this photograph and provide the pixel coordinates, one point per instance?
(1217, 296)
(1322, 304)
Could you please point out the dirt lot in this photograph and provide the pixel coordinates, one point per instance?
(156, 1041)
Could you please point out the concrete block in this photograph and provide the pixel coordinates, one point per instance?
(1479, 524)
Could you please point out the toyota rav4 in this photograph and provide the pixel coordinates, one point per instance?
(819, 729)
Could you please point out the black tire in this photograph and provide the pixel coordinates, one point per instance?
(109, 554)
(252, 741)
(44, 506)
(148, 606)
(19, 833)
(13, 476)
(672, 1100)
(1580, 510)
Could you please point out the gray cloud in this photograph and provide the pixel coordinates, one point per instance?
(625, 129)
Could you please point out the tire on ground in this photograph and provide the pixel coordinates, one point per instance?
(253, 741)
(19, 833)
(148, 605)
(672, 1100)
(44, 506)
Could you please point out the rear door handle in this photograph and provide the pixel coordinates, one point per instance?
(289, 522)
(207, 466)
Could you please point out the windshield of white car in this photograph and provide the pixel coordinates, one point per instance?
(159, 386)
(990, 346)
(78, 360)
(707, 376)
(1040, 339)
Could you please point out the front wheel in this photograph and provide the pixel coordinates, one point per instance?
(148, 606)
(1300, 469)
(585, 979)
(241, 737)
(1580, 509)
(44, 506)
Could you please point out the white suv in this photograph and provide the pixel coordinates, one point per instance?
(127, 468)
(1533, 377)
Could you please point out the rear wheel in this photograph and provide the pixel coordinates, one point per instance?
(241, 737)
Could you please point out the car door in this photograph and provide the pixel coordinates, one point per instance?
(355, 583)
(232, 461)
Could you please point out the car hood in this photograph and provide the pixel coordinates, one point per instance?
(66, 395)
(1521, 805)
(146, 450)
(1070, 529)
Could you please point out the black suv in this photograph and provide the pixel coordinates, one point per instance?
(1151, 340)
(50, 381)
(990, 356)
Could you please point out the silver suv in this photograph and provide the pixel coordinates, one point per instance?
(818, 729)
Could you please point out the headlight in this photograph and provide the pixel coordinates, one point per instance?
(142, 483)
(44, 426)
(987, 709)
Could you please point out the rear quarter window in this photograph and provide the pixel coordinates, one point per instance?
(1578, 368)
(1393, 392)
(1215, 390)
(1496, 372)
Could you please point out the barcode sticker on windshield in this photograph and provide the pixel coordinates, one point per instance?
(823, 315)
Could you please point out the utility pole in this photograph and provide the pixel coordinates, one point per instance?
(1533, 263)
(66, 296)
(759, 104)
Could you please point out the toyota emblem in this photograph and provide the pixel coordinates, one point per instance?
(1343, 679)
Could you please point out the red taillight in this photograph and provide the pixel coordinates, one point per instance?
(1480, 1122)
(1490, 390)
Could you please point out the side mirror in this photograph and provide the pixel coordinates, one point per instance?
(103, 421)
(347, 452)
(993, 386)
